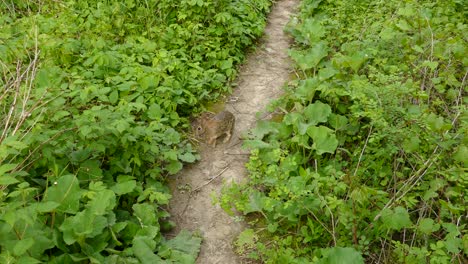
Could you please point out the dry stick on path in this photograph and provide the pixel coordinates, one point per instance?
(208, 182)
(200, 187)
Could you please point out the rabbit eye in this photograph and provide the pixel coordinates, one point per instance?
(199, 128)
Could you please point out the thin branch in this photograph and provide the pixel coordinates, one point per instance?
(208, 182)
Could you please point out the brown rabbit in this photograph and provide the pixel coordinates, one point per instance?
(210, 126)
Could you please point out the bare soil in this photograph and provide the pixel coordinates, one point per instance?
(261, 79)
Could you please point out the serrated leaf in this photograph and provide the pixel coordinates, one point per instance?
(7, 180)
(453, 244)
(418, 49)
(396, 219)
(427, 226)
(246, 239)
(431, 64)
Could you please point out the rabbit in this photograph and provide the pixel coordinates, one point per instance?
(210, 126)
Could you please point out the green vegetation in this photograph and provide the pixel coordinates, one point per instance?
(94, 101)
(369, 160)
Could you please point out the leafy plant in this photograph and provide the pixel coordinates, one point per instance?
(369, 157)
(95, 101)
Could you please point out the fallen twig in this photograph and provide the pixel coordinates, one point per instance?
(208, 182)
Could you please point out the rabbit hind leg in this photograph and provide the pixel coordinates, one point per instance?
(212, 141)
(227, 137)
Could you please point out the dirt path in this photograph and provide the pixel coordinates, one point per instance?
(260, 80)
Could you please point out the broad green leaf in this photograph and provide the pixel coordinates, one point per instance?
(388, 33)
(143, 248)
(102, 202)
(65, 191)
(256, 144)
(124, 187)
(461, 154)
(246, 239)
(338, 122)
(427, 226)
(403, 25)
(356, 60)
(437, 123)
(114, 97)
(339, 255)
(307, 88)
(453, 243)
(149, 81)
(324, 139)
(187, 157)
(7, 167)
(7, 180)
(418, 49)
(313, 30)
(22, 246)
(84, 224)
(263, 128)
(145, 213)
(407, 11)
(171, 136)
(44, 207)
(431, 64)
(396, 219)
(27, 260)
(310, 58)
(255, 203)
(327, 73)
(79, 156)
(174, 166)
(317, 112)
(184, 247)
(155, 112)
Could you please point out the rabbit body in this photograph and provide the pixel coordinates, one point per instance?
(210, 126)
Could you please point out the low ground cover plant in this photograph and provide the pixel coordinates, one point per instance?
(94, 103)
(368, 162)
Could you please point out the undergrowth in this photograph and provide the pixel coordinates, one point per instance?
(369, 160)
(93, 106)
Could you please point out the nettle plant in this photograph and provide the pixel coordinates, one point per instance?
(95, 102)
(370, 156)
